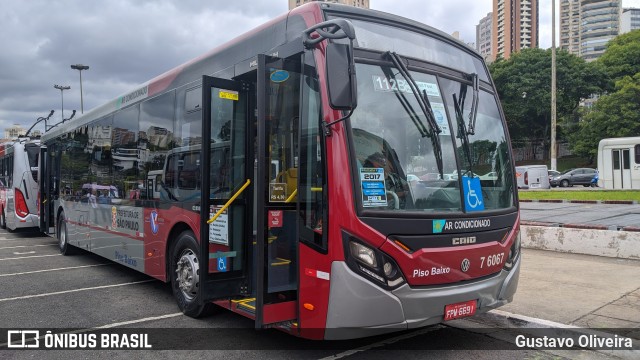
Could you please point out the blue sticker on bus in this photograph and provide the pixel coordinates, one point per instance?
(154, 222)
(438, 225)
(222, 264)
(472, 194)
(278, 76)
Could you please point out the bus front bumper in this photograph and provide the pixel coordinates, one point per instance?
(359, 308)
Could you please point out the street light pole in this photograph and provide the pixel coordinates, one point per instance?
(554, 160)
(80, 67)
(62, 89)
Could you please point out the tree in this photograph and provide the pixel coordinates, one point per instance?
(614, 115)
(622, 57)
(524, 87)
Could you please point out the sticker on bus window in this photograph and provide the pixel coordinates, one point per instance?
(219, 229)
(229, 95)
(278, 76)
(374, 192)
(278, 192)
(472, 194)
(381, 83)
(441, 118)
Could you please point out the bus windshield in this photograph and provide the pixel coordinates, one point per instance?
(397, 167)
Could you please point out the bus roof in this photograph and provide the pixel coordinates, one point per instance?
(260, 40)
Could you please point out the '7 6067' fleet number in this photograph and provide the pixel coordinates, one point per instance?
(491, 260)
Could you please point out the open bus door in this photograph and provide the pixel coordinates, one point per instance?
(46, 190)
(258, 268)
(277, 144)
(224, 245)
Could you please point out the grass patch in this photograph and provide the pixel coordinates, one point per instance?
(593, 194)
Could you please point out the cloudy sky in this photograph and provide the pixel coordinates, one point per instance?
(127, 42)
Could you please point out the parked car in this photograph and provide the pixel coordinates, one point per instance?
(552, 174)
(412, 177)
(492, 176)
(580, 176)
(532, 177)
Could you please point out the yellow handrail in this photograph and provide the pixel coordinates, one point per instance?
(293, 194)
(229, 202)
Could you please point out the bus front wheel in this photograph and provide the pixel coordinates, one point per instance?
(3, 220)
(185, 276)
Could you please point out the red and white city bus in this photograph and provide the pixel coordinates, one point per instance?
(18, 183)
(337, 148)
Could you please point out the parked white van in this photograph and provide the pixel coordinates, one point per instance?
(533, 177)
(619, 163)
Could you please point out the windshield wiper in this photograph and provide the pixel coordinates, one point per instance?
(407, 106)
(474, 105)
(463, 130)
(425, 105)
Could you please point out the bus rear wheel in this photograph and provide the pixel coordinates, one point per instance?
(185, 276)
(63, 240)
(3, 220)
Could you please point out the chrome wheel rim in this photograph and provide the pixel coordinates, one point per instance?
(187, 274)
(63, 235)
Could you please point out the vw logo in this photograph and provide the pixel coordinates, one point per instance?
(465, 265)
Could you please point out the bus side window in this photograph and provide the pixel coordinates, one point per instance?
(170, 172)
(189, 172)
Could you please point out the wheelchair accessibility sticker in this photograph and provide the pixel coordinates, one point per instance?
(222, 264)
(472, 194)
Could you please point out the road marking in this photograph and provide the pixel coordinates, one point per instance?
(109, 326)
(382, 343)
(29, 257)
(22, 238)
(25, 246)
(24, 253)
(58, 269)
(161, 317)
(536, 321)
(74, 290)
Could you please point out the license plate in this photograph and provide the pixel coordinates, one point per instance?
(459, 310)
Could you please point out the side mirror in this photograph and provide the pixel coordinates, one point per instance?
(341, 77)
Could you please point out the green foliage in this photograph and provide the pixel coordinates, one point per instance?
(524, 86)
(613, 115)
(622, 57)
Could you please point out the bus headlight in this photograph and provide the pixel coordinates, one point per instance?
(372, 263)
(363, 253)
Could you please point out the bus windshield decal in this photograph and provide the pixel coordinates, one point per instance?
(373, 187)
(381, 83)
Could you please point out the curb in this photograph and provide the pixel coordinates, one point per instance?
(581, 226)
(598, 240)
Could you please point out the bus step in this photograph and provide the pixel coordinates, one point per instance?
(248, 305)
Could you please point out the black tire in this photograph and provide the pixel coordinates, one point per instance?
(63, 243)
(564, 183)
(184, 270)
(3, 220)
